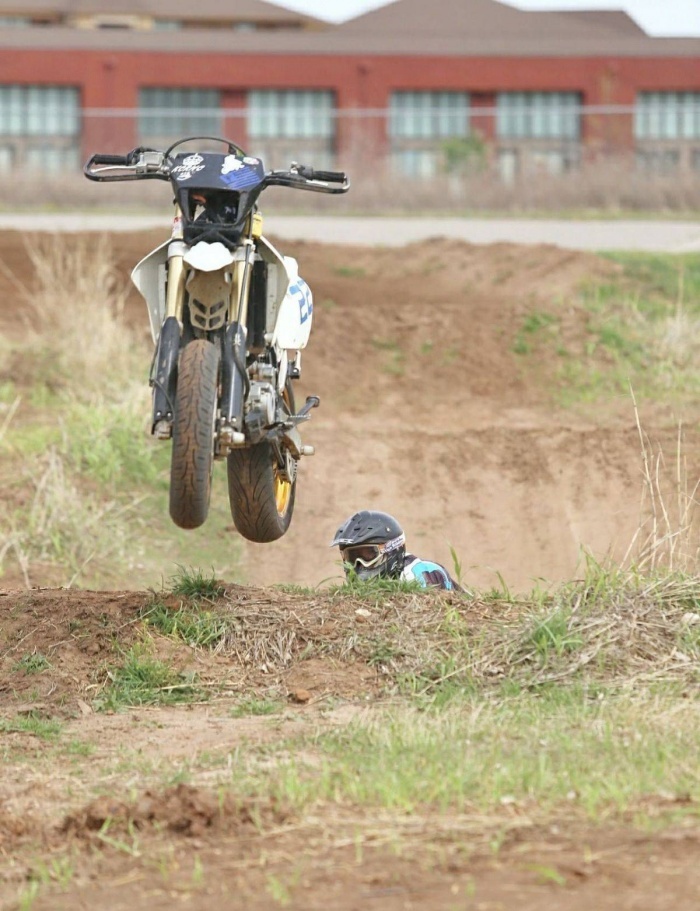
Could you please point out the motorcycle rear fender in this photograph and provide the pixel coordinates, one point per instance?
(149, 277)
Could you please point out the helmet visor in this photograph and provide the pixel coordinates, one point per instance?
(366, 555)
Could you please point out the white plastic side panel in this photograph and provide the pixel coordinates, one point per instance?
(278, 279)
(295, 316)
(149, 278)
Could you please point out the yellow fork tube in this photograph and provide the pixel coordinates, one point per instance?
(242, 280)
(174, 301)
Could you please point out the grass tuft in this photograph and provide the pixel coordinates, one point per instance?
(33, 663)
(32, 723)
(193, 583)
(145, 680)
(199, 629)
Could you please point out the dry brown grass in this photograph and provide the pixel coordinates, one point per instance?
(667, 538)
(616, 629)
(611, 184)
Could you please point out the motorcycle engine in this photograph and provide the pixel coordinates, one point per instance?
(263, 401)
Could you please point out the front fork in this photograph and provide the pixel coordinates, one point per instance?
(164, 378)
(235, 383)
(164, 370)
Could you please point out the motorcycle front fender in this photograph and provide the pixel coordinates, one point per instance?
(206, 257)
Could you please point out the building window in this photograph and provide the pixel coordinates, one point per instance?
(35, 110)
(416, 162)
(50, 160)
(167, 25)
(179, 112)
(538, 115)
(667, 115)
(428, 115)
(659, 161)
(290, 114)
(14, 22)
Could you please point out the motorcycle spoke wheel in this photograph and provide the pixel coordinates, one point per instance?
(193, 434)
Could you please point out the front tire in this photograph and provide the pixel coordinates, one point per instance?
(261, 499)
(193, 433)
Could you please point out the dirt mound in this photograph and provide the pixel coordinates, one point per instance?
(54, 642)
(183, 809)
(64, 650)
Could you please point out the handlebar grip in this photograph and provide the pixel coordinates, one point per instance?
(330, 176)
(111, 159)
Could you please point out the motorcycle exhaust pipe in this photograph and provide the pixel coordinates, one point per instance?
(234, 376)
(164, 374)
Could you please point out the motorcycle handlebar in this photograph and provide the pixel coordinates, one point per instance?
(110, 159)
(304, 178)
(150, 163)
(326, 176)
(138, 164)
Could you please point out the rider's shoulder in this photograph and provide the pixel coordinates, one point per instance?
(418, 568)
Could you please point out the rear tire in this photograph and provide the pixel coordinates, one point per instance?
(193, 433)
(261, 500)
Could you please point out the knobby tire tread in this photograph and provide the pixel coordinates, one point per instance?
(192, 452)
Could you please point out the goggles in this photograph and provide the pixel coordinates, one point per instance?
(368, 555)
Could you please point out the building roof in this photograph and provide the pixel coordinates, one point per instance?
(216, 10)
(484, 18)
(439, 28)
(336, 42)
(612, 19)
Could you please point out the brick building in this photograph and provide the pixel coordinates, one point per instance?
(422, 85)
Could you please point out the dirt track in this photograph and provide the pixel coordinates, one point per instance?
(427, 413)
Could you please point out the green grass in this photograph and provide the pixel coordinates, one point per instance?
(641, 328)
(558, 748)
(32, 723)
(254, 706)
(33, 663)
(534, 324)
(552, 636)
(191, 582)
(394, 359)
(109, 445)
(350, 271)
(143, 679)
(373, 589)
(197, 628)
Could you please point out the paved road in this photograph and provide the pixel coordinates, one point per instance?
(669, 236)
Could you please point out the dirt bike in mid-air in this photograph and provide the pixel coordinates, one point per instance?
(229, 318)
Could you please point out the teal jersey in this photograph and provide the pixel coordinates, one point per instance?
(429, 574)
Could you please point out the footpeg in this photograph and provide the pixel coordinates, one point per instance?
(313, 401)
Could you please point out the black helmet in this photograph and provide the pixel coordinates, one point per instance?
(371, 544)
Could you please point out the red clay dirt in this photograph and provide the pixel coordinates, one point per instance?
(426, 413)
